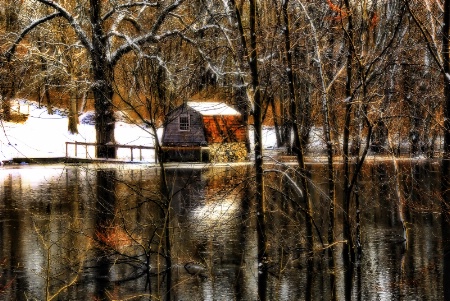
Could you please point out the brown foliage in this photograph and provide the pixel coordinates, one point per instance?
(113, 237)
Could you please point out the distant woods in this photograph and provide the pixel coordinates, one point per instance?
(371, 65)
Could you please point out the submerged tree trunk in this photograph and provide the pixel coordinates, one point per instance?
(105, 212)
(166, 195)
(328, 140)
(260, 201)
(347, 249)
(299, 147)
(260, 195)
(401, 200)
(346, 137)
(445, 171)
(251, 53)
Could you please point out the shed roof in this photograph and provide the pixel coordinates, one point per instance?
(212, 108)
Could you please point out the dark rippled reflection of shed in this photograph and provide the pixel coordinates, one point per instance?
(204, 131)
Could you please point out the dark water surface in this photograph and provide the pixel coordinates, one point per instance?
(84, 233)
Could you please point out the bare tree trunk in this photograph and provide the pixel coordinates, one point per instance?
(47, 96)
(73, 112)
(242, 100)
(7, 90)
(7, 80)
(45, 92)
(242, 104)
(275, 122)
(83, 102)
(7, 94)
(102, 88)
(104, 117)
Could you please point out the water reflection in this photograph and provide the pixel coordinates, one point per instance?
(84, 233)
(216, 233)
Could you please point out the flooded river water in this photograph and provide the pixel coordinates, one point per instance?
(91, 233)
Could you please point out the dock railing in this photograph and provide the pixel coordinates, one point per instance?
(116, 146)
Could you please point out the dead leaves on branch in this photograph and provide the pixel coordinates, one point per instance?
(341, 13)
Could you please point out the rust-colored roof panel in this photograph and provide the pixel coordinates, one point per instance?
(220, 129)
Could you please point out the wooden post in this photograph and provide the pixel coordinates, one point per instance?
(76, 149)
(131, 154)
(140, 153)
(67, 144)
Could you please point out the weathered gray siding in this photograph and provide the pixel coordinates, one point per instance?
(174, 137)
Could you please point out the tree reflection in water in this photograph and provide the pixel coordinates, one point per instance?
(117, 218)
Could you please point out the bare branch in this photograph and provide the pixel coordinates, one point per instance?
(128, 5)
(73, 23)
(150, 37)
(30, 27)
(427, 36)
(164, 15)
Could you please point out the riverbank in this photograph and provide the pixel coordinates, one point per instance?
(41, 139)
(272, 159)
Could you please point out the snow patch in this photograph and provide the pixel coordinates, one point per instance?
(45, 135)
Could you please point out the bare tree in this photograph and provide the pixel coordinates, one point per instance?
(9, 84)
(108, 32)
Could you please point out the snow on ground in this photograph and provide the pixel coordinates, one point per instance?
(45, 136)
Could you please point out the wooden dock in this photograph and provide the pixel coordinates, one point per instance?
(67, 160)
(116, 146)
(86, 155)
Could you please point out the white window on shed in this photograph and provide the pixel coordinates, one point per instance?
(184, 122)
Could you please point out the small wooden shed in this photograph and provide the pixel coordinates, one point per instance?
(204, 131)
